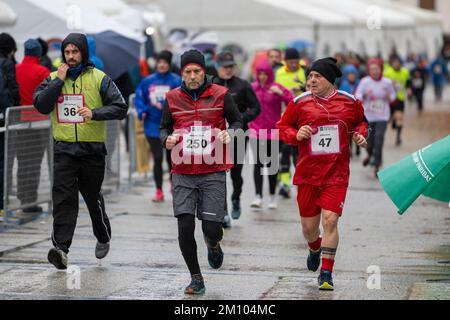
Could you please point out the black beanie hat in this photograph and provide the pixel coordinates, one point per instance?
(7, 44)
(44, 46)
(291, 53)
(165, 55)
(328, 68)
(193, 56)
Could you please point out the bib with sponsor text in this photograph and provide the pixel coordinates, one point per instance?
(326, 140)
(67, 108)
(197, 141)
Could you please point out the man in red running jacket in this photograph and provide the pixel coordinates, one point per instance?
(320, 123)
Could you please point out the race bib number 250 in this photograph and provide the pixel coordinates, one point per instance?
(197, 141)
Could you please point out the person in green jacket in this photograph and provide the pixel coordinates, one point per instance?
(79, 98)
(402, 82)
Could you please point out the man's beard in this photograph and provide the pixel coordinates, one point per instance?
(73, 63)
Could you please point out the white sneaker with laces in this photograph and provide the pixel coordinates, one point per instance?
(272, 202)
(257, 203)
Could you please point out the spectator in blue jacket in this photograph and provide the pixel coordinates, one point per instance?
(349, 83)
(350, 79)
(150, 97)
(439, 75)
(98, 63)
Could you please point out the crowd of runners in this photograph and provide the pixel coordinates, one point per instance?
(302, 120)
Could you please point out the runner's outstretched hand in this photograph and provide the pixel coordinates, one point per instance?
(359, 139)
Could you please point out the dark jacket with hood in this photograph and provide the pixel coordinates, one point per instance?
(244, 96)
(10, 88)
(114, 106)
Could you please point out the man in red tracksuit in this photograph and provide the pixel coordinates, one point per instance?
(320, 122)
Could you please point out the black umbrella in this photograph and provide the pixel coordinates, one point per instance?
(119, 53)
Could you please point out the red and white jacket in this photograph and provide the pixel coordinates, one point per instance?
(341, 109)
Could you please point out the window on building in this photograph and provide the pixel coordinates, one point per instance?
(428, 4)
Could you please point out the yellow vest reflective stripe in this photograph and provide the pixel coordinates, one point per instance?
(88, 84)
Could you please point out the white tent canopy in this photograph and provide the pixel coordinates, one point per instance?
(249, 23)
(7, 14)
(57, 18)
(333, 25)
(374, 25)
(428, 28)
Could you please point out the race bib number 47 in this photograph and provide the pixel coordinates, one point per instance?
(67, 108)
(197, 141)
(326, 140)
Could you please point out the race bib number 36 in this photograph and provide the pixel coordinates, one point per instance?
(67, 108)
(326, 140)
(197, 141)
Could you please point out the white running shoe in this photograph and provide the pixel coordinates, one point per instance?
(257, 203)
(272, 202)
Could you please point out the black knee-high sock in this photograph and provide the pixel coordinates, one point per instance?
(213, 232)
(186, 240)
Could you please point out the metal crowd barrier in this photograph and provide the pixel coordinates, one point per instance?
(112, 142)
(138, 148)
(28, 163)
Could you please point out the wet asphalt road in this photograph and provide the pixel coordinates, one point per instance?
(265, 254)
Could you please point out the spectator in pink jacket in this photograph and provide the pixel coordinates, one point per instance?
(271, 96)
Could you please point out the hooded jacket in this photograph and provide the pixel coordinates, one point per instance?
(345, 84)
(110, 103)
(270, 102)
(11, 93)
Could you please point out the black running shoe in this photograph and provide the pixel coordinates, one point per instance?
(101, 250)
(236, 212)
(197, 286)
(313, 261)
(226, 224)
(366, 162)
(58, 258)
(215, 254)
(325, 280)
